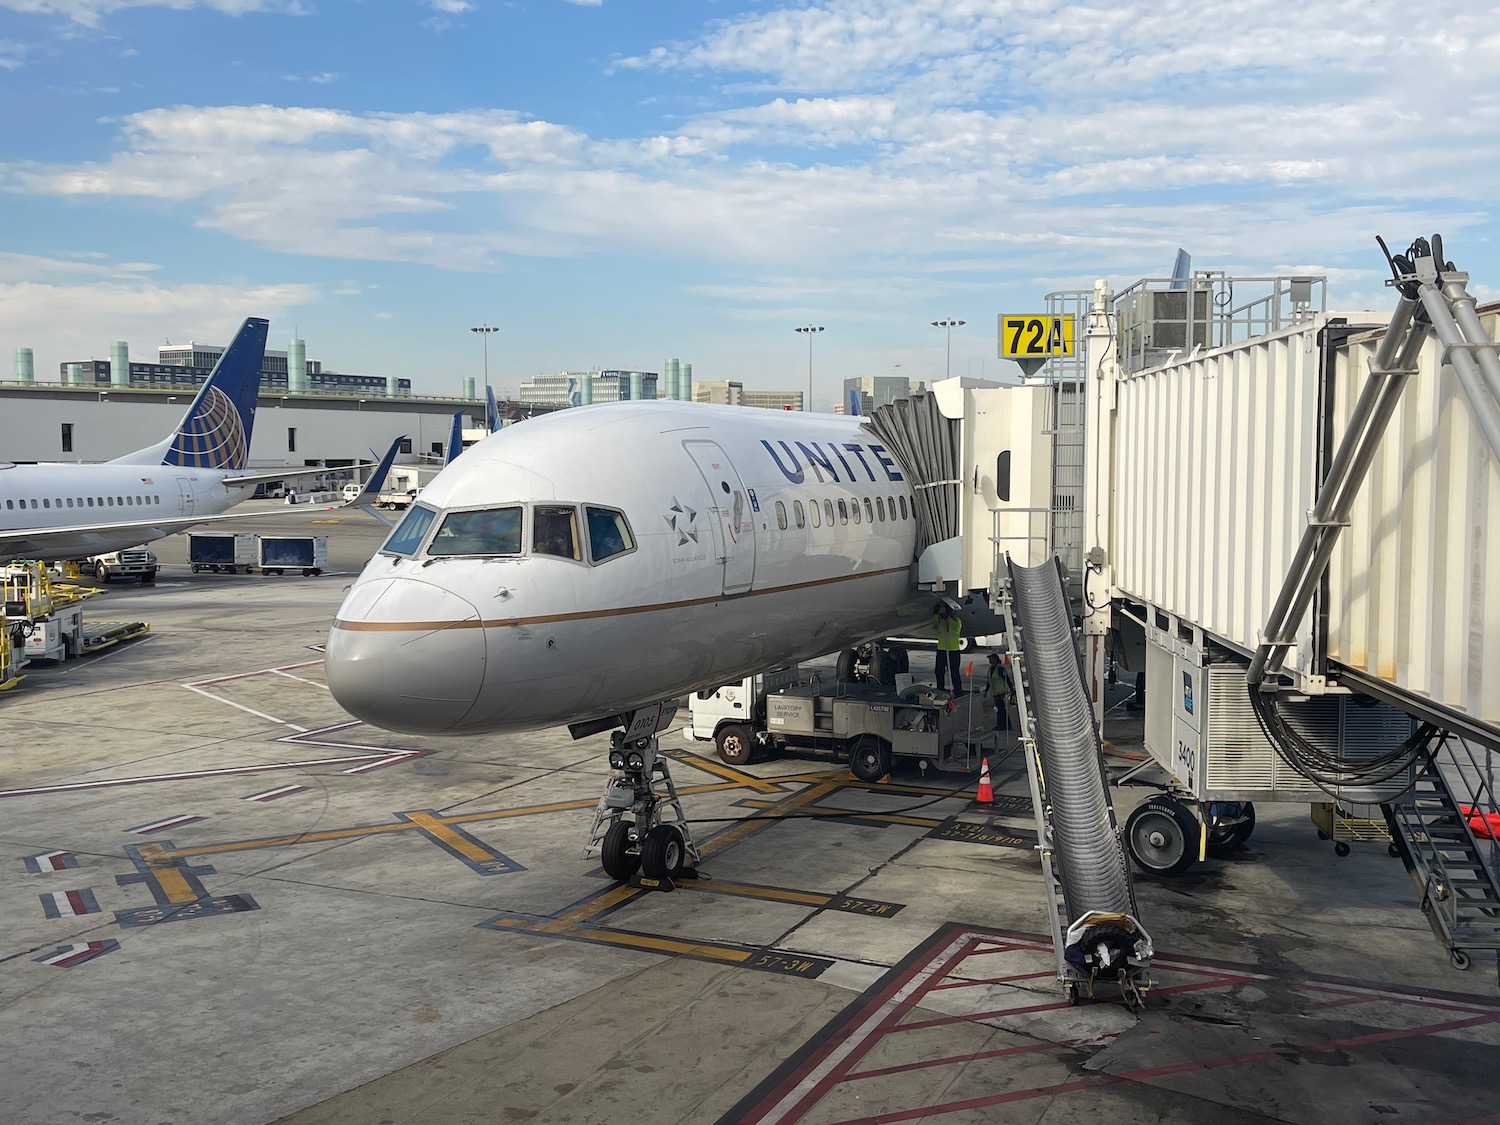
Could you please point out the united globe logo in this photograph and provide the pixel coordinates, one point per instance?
(213, 437)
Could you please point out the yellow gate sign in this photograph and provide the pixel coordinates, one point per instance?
(1035, 335)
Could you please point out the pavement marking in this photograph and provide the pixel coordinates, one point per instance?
(276, 794)
(164, 824)
(70, 956)
(69, 904)
(798, 1089)
(49, 861)
(176, 887)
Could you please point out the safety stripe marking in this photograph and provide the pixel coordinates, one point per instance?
(50, 861)
(69, 904)
(70, 956)
(276, 794)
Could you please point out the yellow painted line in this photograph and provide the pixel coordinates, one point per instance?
(646, 942)
(747, 828)
(467, 848)
(729, 773)
(299, 838)
(610, 898)
(166, 874)
(773, 894)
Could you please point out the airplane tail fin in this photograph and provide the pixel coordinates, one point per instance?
(492, 412)
(455, 438)
(853, 403)
(371, 491)
(215, 431)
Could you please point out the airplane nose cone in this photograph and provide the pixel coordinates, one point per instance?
(406, 655)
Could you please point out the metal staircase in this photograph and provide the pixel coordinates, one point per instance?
(1453, 867)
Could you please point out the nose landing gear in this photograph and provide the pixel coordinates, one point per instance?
(639, 825)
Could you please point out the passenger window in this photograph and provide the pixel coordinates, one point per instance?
(70, 501)
(843, 511)
(111, 500)
(797, 511)
(555, 532)
(869, 511)
(903, 507)
(828, 511)
(409, 532)
(781, 515)
(815, 512)
(90, 500)
(609, 534)
(880, 508)
(46, 503)
(494, 531)
(854, 503)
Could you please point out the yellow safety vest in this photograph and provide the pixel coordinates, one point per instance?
(950, 631)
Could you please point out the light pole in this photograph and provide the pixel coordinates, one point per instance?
(811, 330)
(484, 331)
(948, 324)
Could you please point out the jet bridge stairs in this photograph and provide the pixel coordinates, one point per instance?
(1096, 933)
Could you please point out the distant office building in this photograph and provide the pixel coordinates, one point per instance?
(167, 375)
(721, 391)
(193, 354)
(877, 390)
(772, 400)
(578, 388)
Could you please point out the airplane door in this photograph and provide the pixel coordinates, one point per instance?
(185, 495)
(733, 520)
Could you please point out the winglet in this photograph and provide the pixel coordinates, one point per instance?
(455, 438)
(371, 491)
(491, 411)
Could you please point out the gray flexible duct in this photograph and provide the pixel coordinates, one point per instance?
(1090, 857)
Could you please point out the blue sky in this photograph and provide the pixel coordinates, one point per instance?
(619, 181)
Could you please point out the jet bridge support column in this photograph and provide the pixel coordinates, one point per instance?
(1101, 375)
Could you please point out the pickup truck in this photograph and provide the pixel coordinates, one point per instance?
(134, 562)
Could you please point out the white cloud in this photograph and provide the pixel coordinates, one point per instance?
(450, 7)
(89, 12)
(917, 139)
(73, 308)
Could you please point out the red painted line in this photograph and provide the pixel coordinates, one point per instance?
(1338, 1003)
(952, 1060)
(994, 980)
(1477, 1004)
(75, 900)
(980, 1103)
(1200, 985)
(977, 1017)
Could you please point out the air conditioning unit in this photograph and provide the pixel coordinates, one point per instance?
(1156, 322)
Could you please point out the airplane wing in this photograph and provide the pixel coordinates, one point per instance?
(252, 479)
(82, 540)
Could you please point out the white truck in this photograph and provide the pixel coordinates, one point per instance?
(135, 562)
(400, 498)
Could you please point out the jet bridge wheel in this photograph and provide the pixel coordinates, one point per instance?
(736, 745)
(615, 856)
(1162, 836)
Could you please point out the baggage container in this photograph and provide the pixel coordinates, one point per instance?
(281, 553)
(221, 554)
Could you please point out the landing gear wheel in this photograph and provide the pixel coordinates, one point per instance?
(1341, 849)
(869, 758)
(736, 746)
(1224, 842)
(615, 855)
(1459, 960)
(662, 854)
(1162, 836)
(844, 670)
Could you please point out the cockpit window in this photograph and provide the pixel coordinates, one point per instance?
(555, 532)
(491, 531)
(409, 532)
(609, 534)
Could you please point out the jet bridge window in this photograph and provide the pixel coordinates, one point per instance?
(609, 534)
(491, 531)
(411, 531)
(555, 532)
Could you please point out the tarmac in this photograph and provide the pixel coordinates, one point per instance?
(226, 901)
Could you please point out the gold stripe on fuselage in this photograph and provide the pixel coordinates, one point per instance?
(592, 614)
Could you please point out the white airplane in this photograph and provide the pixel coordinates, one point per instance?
(582, 565)
(192, 476)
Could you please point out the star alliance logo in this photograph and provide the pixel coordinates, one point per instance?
(680, 519)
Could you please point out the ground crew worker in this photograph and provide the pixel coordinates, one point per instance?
(950, 632)
(998, 685)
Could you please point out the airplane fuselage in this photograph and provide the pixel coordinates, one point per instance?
(63, 495)
(719, 569)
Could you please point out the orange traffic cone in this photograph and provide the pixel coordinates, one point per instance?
(986, 794)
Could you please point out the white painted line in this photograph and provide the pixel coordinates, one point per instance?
(299, 679)
(247, 710)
